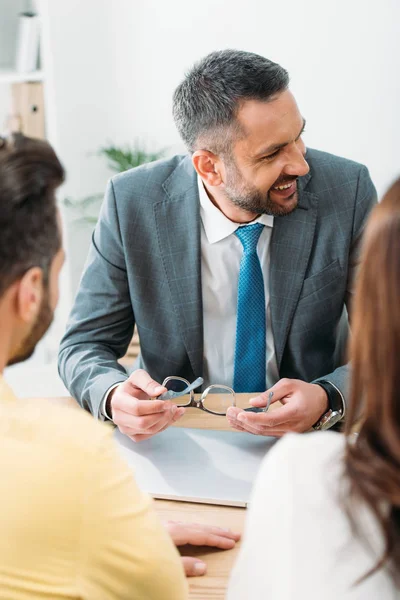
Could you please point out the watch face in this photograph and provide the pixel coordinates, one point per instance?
(329, 420)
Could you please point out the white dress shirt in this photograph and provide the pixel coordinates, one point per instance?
(221, 253)
(298, 543)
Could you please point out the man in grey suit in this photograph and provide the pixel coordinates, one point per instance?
(171, 252)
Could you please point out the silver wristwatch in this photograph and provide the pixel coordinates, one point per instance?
(336, 408)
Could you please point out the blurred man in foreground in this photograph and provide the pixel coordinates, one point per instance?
(73, 522)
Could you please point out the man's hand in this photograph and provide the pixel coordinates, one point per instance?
(303, 404)
(199, 535)
(134, 413)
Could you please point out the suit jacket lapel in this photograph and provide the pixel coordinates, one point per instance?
(291, 243)
(178, 230)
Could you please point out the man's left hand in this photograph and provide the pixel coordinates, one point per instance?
(303, 405)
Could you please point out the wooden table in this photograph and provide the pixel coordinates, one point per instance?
(211, 586)
(219, 564)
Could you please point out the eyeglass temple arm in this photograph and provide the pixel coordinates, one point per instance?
(256, 409)
(196, 383)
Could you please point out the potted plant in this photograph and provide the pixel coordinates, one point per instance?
(119, 159)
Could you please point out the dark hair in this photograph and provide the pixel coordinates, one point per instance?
(373, 461)
(30, 172)
(206, 103)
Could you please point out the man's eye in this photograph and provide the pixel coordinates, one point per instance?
(271, 156)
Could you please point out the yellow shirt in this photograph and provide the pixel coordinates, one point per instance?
(73, 523)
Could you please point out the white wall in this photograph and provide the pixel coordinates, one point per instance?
(343, 58)
(79, 67)
(112, 65)
(116, 63)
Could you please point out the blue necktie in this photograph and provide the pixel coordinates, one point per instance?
(250, 359)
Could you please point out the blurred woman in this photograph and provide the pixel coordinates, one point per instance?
(324, 518)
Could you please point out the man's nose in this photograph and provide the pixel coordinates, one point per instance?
(297, 164)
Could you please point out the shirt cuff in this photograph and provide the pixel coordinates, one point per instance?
(103, 416)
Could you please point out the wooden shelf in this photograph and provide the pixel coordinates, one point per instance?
(11, 76)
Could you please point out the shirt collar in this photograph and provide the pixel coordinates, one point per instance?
(6, 393)
(216, 225)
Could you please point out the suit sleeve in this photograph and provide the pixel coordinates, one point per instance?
(365, 200)
(101, 323)
(125, 552)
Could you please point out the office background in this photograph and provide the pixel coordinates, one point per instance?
(109, 68)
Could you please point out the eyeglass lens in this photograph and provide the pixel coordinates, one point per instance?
(178, 392)
(218, 399)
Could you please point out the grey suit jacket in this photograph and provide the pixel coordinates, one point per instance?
(144, 267)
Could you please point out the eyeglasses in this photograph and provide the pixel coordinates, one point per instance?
(216, 399)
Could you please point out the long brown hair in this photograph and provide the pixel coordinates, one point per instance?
(373, 461)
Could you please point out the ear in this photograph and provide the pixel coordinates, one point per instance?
(208, 166)
(29, 295)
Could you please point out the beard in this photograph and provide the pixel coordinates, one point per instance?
(248, 197)
(39, 328)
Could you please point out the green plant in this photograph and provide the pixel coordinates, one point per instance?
(122, 159)
(87, 208)
(119, 159)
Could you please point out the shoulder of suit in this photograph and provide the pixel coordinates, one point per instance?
(324, 162)
(157, 172)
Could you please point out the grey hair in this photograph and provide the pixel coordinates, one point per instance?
(206, 102)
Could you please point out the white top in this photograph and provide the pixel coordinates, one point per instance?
(221, 253)
(297, 543)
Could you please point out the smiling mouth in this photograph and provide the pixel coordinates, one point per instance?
(283, 187)
(286, 190)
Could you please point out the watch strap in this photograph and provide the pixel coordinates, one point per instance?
(335, 398)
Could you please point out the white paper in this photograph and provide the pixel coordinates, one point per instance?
(196, 465)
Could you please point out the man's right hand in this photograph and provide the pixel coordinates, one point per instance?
(134, 413)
